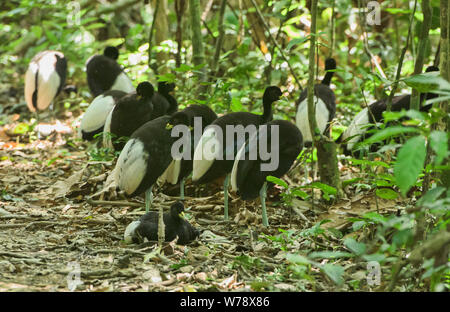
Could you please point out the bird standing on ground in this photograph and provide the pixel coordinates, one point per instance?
(209, 165)
(104, 73)
(181, 168)
(248, 177)
(324, 101)
(163, 102)
(145, 158)
(94, 117)
(131, 111)
(358, 130)
(44, 79)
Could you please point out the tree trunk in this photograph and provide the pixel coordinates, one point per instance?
(400, 63)
(423, 43)
(326, 149)
(180, 7)
(256, 26)
(161, 34)
(198, 55)
(219, 40)
(445, 73)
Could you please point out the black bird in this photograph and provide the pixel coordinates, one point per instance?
(44, 79)
(104, 73)
(131, 111)
(94, 117)
(248, 177)
(181, 168)
(325, 102)
(174, 225)
(358, 130)
(163, 102)
(146, 157)
(214, 155)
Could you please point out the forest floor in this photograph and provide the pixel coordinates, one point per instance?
(61, 218)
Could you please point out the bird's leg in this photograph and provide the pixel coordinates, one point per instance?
(53, 110)
(306, 173)
(225, 195)
(262, 194)
(37, 125)
(148, 199)
(182, 188)
(161, 227)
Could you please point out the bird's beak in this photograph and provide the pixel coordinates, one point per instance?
(182, 215)
(169, 126)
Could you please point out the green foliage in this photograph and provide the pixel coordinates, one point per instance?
(409, 164)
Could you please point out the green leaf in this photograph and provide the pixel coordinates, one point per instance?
(37, 31)
(95, 26)
(330, 254)
(386, 193)
(387, 133)
(334, 272)
(431, 196)
(236, 105)
(183, 68)
(300, 193)
(21, 128)
(374, 257)
(357, 225)
(389, 116)
(297, 259)
(324, 187)
(296, 41)
(439, 144)
(372, 163)
(409, 164)
(355, 247)
(277, 181)
(51, 37)
(375, 217)
(427, 82)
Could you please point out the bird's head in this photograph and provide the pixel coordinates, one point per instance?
(165, 87)
(145, 90)
(177, 210)
(179, 118)
(111, 52)
(330, 64)
(272, 94)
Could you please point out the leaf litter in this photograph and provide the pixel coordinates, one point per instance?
(58, 207)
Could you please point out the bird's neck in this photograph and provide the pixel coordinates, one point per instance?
(267, 113)
(327, 79)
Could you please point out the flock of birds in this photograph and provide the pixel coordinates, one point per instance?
(138, 122)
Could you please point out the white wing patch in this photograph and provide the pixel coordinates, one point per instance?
(97, 113)
(107, 142)
(172, 172)
(302, 121)
(356, 128)
(131, 166)
(30, 77)
(130, 231)
(235, 168)
(123, 83)
(205, 153)
(48, 81)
